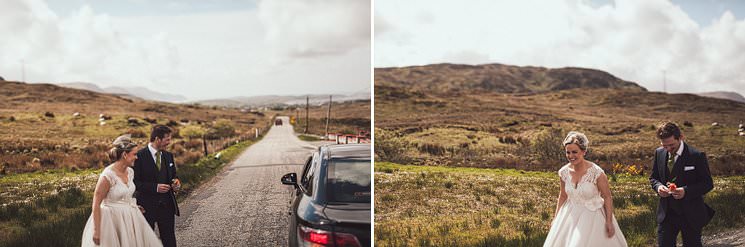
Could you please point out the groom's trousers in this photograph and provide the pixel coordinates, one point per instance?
(164, 217)
(667, 231)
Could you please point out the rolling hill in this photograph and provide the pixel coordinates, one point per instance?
(498, 78)
(282, 100)
(508, 116)
(724, 95)
(127, 92)
(45, 126)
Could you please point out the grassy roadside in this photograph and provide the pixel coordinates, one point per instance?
(57, 202)
(456, 206)
(309, 138)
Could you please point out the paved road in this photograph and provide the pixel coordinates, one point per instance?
(246, 205)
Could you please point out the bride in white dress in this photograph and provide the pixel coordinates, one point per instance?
(584, 212)
(116, 219)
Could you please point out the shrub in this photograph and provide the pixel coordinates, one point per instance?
(137, 133)
(390, 148)
(546, 146)
(221, 129)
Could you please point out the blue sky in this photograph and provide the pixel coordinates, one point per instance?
(701, 11)
(693, 46)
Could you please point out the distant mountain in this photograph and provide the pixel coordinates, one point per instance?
(83, 85)
(147, 94)
(724, 95)
(127, 92)
(274, 100)
(445, 78)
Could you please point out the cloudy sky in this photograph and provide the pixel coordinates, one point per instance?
(696, 45)
(200, 49)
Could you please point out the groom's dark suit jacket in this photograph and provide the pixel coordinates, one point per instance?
(691, 171)
(147, 178)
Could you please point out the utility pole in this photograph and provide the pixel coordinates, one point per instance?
(328, 116)
(307, 104)
(23, 70)
(664, 81)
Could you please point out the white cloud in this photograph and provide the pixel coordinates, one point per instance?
(634, 39)
(302, 28)
(313, 47)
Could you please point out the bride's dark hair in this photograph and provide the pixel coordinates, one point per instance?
(121, 145)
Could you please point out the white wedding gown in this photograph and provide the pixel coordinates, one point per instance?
(581, 220)
(122, 223)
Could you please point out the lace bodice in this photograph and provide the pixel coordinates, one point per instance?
(119, 192)
(586, 192)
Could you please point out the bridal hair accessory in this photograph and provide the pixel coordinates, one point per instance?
(124, 142)
(578, 138)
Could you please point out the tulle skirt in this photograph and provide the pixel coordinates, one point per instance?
(122, 224)
(576, 225)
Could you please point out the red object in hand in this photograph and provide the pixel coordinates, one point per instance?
(671, 186)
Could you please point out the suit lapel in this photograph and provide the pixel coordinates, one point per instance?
(662, 165)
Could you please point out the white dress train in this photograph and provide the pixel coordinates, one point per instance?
(122, 223)
(581, 220)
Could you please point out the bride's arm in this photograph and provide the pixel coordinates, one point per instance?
(102, 188)
(604, 188)
(562, 198)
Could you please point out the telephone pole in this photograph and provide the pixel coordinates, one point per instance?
(23, 70)
(664, 81)
(307, 103)
(328, 116)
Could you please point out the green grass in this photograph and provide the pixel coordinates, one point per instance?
(455, 206)
(309, 138)
(51, 208)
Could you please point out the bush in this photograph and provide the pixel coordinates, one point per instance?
(192, 132)
(137, 133)
(221, 129)
(389, 147)
(546, 146)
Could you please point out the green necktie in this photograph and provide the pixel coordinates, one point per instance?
(671, 161)
(157, 160)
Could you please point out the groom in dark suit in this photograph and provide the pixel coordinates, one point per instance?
(155, 179)
(682, 209)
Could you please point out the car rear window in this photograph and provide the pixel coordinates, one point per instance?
(348, 181)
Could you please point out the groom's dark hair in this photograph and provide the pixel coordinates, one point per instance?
(159, 131)
(668, 129)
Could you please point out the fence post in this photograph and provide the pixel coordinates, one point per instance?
(204, 144)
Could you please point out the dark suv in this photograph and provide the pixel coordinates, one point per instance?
(331, 202)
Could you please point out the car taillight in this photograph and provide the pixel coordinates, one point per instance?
(315, 237)
(344, 239)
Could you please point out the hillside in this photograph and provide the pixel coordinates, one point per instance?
(39, 128)
(724, 95)
(282, 100)
(127, 92)
(498, 78)
(520, 123)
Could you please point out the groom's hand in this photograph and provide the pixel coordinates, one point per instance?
(663, 191)
(679, 193)
(163, 188)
